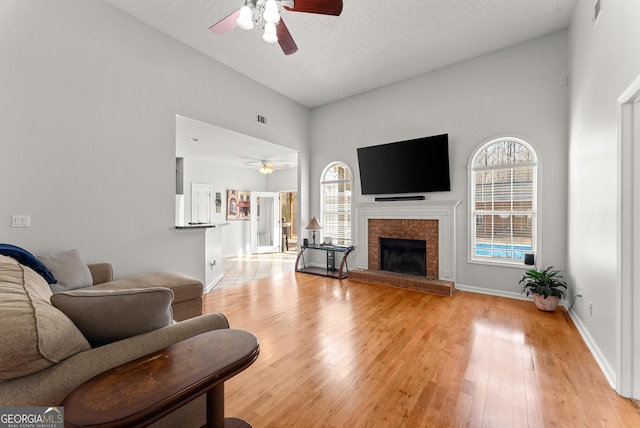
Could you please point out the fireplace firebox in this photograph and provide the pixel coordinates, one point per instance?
(403, 256)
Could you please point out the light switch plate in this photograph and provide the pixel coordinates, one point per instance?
(21, 220)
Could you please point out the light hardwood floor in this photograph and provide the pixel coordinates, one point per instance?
(351, 354)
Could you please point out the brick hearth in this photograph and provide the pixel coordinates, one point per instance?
(403, 280)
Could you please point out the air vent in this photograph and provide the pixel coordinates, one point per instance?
(262, 119)
(597, 9)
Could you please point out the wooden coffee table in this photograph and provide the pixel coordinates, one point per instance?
(142, 391)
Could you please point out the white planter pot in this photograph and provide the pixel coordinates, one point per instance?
(549, 304)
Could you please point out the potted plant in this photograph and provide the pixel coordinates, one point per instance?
(547, 287)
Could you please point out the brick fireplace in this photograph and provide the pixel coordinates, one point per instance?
(426, 230)
(429, 221)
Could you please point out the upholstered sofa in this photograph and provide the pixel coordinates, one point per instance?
(50, 343)
(67, 270)
(187, 290)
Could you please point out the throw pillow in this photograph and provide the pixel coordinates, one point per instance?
(69, 269)
(33, 334)
(106, 316)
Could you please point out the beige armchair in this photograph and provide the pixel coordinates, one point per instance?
(44, 356)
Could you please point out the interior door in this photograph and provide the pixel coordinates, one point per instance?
(265, 222)
(200, 203)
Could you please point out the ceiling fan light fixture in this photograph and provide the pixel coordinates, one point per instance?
(266, 14)
(271, 13)
(245, 20)
(266, 168)
(270, 35)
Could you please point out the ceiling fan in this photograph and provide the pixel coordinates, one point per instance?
(267, 14)
(268, 166)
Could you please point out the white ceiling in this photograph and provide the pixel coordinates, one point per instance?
(222, 146)
(370, 45)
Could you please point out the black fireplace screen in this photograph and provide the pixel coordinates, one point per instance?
(403, 256)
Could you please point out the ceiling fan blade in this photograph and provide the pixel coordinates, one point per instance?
(323, 7)
(284, 39)
(225, 24)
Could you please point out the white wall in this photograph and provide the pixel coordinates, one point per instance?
(604, 62)
(520, 91)
(87, 131)
(282, 180)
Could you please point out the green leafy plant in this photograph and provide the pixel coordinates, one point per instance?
(547, 282)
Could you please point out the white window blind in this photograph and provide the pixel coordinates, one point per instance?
(336, 203)
(504, 208)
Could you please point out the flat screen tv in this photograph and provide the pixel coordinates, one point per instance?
(411, 166)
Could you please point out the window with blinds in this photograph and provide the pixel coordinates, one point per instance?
(503, 176)
(336, 187)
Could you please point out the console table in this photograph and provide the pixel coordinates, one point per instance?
(142, 391)
(331, 270)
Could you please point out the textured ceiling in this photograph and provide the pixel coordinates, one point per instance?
(370, 45)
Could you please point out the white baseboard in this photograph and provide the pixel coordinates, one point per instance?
(491, 292)
(605, 367)
(213, 283)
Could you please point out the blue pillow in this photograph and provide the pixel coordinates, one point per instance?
(26, 258)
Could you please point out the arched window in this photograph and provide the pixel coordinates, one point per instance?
(336, 185)
(503, 193)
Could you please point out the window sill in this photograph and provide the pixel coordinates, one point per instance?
(517, 265)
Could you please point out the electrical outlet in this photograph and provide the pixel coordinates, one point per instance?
(590, 308)
(579, 294)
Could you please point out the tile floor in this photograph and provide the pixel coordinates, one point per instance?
(241, 269)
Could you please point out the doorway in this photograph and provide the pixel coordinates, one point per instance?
(265, 222)
(200, 203)
(289, 214)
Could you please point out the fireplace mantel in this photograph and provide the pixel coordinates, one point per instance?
(443, 211)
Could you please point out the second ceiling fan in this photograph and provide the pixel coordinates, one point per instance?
(267, 13)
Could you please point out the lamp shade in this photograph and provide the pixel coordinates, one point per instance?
(314, 224)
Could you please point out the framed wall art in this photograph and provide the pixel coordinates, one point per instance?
(238, 205)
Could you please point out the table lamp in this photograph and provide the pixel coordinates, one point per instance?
(313, 226)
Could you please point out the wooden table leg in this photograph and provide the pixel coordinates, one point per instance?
(215, 411)
(215, 407)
